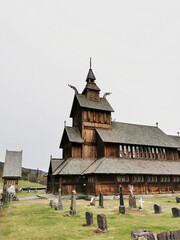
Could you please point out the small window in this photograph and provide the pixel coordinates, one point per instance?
(145, 152)
(157, 153)
(141, 152)
(120, 151)
(164, 153)
(125, 152)
(133, 151)
(153, 153)
(129, 151)
(137, 152)
(149, 152)
(160, 151)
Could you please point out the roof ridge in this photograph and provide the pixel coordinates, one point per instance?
(136, 124)
(100, 163)
(89, 166)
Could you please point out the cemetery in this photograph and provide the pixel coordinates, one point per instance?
(74, 218)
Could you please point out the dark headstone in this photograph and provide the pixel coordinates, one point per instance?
(157, 209)
(121, 197)
(175, 235)
(101, 200)
(89, 218)
(163, 236)
(176, 212)
(60, 201)
(132, 201)
(178, 199)
(102, 223)
(121, 207)
(143, 234)
(73, 203)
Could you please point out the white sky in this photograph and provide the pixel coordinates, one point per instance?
(46, 45)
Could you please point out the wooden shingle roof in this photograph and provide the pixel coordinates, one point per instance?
(126, 133)
(102, 105)
(73, 135)
(73, 166)
(175, 139)
(13, 164)
(134, 166)
(55, 162)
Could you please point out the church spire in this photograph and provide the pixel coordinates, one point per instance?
(90, 77)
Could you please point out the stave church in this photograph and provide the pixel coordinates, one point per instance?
(99, 155)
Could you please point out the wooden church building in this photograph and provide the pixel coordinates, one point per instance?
(99, 155)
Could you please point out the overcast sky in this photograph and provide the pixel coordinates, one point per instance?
(46, 45)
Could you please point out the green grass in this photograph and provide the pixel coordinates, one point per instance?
(23, 183)
(36, 220)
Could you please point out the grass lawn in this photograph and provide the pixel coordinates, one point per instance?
(36, 220)
(23, 183)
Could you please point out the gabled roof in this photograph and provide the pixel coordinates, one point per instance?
(102, 105)
(126, 133)
(73, 135)
(73, 166)
(176, 139)
(13, 164)
(55, 163)
(134, 166)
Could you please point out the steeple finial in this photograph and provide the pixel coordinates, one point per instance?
(90, 63)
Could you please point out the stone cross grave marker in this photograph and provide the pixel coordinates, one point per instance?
(102, 223)
(89, 219)
(141, 202)
(92, 201)
(157, 209)
(101, 200)
(176, 212)
(60, 201)
(73, 203)
(121, 207)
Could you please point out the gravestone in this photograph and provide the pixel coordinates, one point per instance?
(121, 207)
(92, 202)
(73, 203)
(178, 199)
(102, 223)
(1, 201)
(175, 235)
(157, 209)
(132, 199)
(101, 200)
(89, 218)
(60, 201)
(143, 234)
(163, 236)
(50, 202)
(176, 212)
(53, 204)
(35, 190)
(141, 202)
